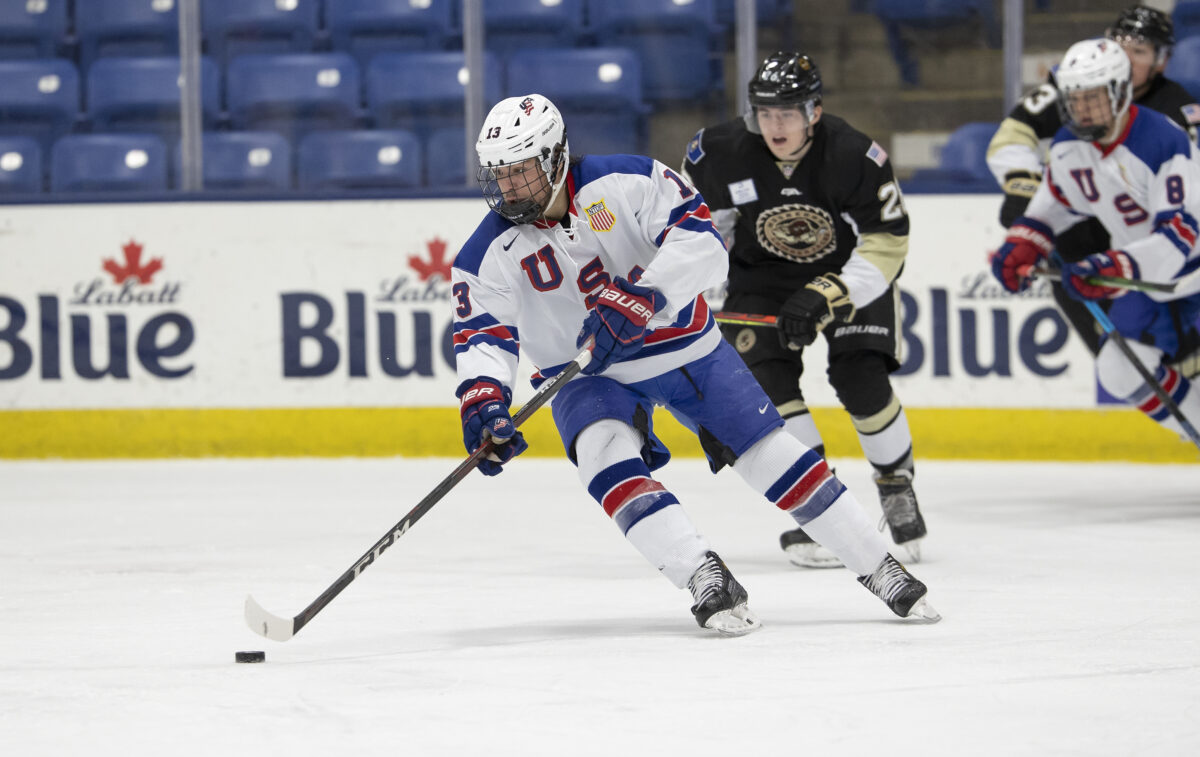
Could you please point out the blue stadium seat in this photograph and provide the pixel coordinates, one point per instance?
(962, 164)
(143, 94)
(676, 43)
(1186, 18)
(445, 158)
(32, 30)
(511, 25)
(125, 27)
(931, 14)
(252, 160)
(108, 163)
(365, 27)
(240, 27)
(20, 166)
(598, 90)
(424, 91)
(379, 159)
(293, 94)
(1184, 66)
(38, 98)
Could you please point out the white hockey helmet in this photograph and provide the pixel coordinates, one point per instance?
(1094, 64)
(517, 129)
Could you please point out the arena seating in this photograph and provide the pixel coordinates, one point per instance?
(598, 90)
(32, 30)
(143, 94)
(125, 28)
(243, 160)
(20, 166)
(38, 98)
(293, 94)
(108, 163)
(962, 165)
(376, 158)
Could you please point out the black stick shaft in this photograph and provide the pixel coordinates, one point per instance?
(541, 397)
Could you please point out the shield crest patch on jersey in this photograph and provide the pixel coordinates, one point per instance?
(600, 218)
(695, 148)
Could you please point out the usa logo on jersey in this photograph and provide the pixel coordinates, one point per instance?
(600, 218)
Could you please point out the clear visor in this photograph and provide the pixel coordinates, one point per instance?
(520, 192)
(1090, 113)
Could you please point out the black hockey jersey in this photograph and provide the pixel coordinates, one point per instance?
(839, 210)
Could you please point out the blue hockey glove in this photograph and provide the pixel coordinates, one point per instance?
(484, 411)
(1111, 263)
(618, 323)
(811, 309)
(1028, 243)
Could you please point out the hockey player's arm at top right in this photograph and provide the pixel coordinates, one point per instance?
(1016, 151)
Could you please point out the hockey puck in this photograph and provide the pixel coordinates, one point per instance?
(250, 656)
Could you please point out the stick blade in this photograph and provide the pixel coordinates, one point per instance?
(267, 625)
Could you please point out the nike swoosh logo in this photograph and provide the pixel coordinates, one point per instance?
(510, 243)
(763, 409)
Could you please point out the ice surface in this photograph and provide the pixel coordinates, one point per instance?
(515, 620)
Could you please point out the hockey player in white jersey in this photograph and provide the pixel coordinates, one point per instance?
(1137, 173)
(617, 249)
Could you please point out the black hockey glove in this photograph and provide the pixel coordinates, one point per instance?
(1019, 188)
(811, 309)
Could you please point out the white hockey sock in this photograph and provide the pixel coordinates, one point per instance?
(884, 436)
(799, 482)
(669, 541)
(845, 530)
(611, 467)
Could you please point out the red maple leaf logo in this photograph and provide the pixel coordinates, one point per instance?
(133, 265)
(437, 265)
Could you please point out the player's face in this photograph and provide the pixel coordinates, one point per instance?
(521, 181)
(1090, 107)
(1143, 61)
(785, 130)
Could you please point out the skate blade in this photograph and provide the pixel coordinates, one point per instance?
(912, 549)
(923, 612)
(805, 556)
(736, 622)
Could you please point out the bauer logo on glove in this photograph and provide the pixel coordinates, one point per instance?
(813, 308)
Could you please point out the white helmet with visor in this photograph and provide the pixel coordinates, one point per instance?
(1094, 64)
(517, 130)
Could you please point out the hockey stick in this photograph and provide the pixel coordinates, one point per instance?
(1106, 324)
(278, 628)
(745, 319)
(1117, 282)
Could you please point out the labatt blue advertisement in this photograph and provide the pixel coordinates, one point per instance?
(331, 323)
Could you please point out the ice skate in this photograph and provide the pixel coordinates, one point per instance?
(901, 512)
(806, 553)
(900, 591)
(720, 599)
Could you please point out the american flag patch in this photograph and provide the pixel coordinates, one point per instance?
(600, 218)
(877, 154)
(1191, 112)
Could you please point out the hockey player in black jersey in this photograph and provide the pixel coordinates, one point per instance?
(1015, 154)
(817, 233)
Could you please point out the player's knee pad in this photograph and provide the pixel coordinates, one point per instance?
(861, 381)
(605, 443)
(612, 469)
(1117, 375)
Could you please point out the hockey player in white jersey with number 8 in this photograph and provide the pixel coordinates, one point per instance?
(1136, 171)
(617, 249)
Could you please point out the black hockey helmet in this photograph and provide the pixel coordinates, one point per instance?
(786, 79)
(1144, 24)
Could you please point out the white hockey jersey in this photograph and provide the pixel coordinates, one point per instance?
(1144, 188)
(531, 286)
